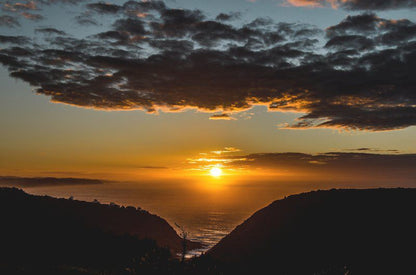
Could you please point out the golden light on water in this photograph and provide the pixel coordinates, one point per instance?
(215, 172)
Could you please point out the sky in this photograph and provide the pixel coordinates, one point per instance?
(132, 89)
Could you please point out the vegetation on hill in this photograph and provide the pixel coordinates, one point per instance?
(335, 232)
(327, 232)
(31, 223)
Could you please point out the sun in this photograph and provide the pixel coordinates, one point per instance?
(215, 172)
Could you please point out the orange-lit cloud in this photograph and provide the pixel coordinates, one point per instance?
(22, 8)
(358, 165)
(19, 6)
(226, 150)
(306, 3)
(397, 168)
(221, 117)
(354, 4)
(218, 158)
(31, 16)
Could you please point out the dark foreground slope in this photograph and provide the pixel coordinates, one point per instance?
(325, 232)
(24, 215)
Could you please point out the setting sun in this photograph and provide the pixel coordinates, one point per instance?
(215, 172)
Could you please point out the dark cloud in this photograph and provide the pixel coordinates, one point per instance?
(122, 38)
(365, 23)
(228, 16)
(85, 19)
(16, 52)
(358, 165)
(47, 181)
(356, 4)
(14, 39)
(133, 7)
(357, 42)
(51, 2)
(130, 25)
(172, 45)
(9, 21)
(376, 5)
(153, 167)
(260, 22)
(104, 8)
(177, 58)
(367, 149)
(25, 9)
(341, 166)
(388, 32)
(209, 33)
(221, 117)
(32, 16)
(177, 22)
(50, 31)
(9, 6)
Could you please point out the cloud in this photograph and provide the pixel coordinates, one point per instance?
(32, 16)
(228, 16)
(226, 150)
(19, 6)
(174, 59)
(306, 3)
(132, 26)
(9, 21)
(367, 149)
(355, 4)
(356, 42)
(104, 8)
(333, 159)
(25, 9)
(50, 31)
(85, 19)
(362, 165)
(14, 39)
(334, 166)
(45, 181)
(221, 117)
(153, 167)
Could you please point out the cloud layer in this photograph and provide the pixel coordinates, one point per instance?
(28, 9)
(340, 166)
(369, 5)
(357, 74)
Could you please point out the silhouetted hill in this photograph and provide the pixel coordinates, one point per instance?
(46, 181)
(334, 232)
(366, 231)
(26, 214)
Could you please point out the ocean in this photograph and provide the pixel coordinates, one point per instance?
(208, 214)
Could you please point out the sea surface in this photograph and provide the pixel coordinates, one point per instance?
(208, 214)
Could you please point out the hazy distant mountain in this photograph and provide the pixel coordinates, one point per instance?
(327, 232)
(45, 181)
(42, 218)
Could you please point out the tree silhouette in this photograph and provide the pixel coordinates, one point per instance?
(184, 235)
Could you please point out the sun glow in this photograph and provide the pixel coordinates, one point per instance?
(215, 172)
